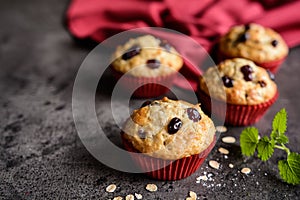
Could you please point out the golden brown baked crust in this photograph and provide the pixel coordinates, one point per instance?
(260, 89)
(151, 48)
(262, 44)
(147, 130)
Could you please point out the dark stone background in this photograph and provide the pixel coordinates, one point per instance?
(41, 156)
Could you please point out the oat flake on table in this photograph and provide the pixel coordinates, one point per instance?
(151, 187)
(111, 188)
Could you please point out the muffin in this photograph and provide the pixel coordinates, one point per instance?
(148, 62)
(172, 138)
(241, 91)
(262, 45)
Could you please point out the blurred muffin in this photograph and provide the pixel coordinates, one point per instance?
(240, 90)
(168, 134)
(262, 45)
(148, 61)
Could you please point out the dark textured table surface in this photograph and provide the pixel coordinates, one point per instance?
(41, 155)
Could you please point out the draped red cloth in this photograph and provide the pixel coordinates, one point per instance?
(204, 21)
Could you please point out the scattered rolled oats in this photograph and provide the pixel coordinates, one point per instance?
(228, 139)
(223, 150)
(129, 197)
(221, 129)
(138, 196)
(246, 170)
(193, 194)
(151, 187)
(204, 178)
(214, 164)
(230, 165)
(111, 188)
(118, 198)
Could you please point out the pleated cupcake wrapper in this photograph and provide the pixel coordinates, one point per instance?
(161, 169)
(236, 115)
(145, 87)
(273, 66)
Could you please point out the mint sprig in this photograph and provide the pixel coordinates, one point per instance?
(289, 169)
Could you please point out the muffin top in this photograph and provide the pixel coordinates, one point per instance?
(239, 81)
(169, 129)
(254, 42)
(147, 56)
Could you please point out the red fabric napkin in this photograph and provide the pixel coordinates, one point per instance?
(204, 21)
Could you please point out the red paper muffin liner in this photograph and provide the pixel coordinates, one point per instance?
(236, 115)
(161, 169)
(145, 87)
(273, 66)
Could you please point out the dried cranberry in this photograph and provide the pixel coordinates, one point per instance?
(271, 75)
(174, 125)
(247, 72)
(142, 134)
(243, 37)
(164, 44)
(274, 43)
(247, 27)
(133, 51)
(227, 81)
(153, 63)
(262, 83)
(146, 103)
(193, 114)
(246, 69)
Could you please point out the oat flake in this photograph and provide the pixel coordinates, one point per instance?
(129, 197)
(214, 164)
(118, 198)
(193, 195)
(151, 187)
(138, 196)
(204, 178)
(223, 151)
(221, 129)
(228, 139)
(246, 170)
(111, 188)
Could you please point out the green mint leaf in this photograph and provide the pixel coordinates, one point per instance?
(265, 148)
(274, 135)
(290, 169)
(282, 139)
(249, 140)
(280, 122)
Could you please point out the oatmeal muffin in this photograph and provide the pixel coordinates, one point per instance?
(254, 42)
(245, 88)
(169, 132)
(148, 61)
